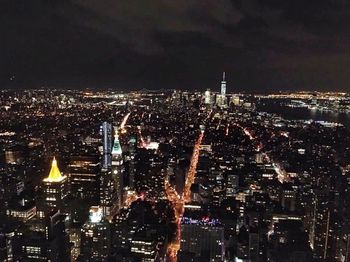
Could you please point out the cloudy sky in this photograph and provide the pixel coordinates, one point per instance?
(263, 45)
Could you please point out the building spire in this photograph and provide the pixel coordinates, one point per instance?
(223, 85)
(55, 174)
(117, 149)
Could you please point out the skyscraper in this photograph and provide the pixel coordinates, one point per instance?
(203, 237)
(84, 176)
(232, 185)
(96, 237)
(322, 225)
(106, 130)
(117, 168)
(108, 193)
(55, 188)
(49, 244)
(221, 98)
(223, 85)
(207, 97)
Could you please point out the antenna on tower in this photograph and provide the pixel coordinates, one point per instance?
(223, 76)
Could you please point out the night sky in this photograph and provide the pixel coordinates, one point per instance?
(263, 45)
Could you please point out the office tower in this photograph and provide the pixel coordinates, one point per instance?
(10, 248)
(75, 241)
(118, 169)
(203, 237)
(176, 98)
(232, 185)
(322, 225)
(108, 193)
(235, 100)
(151, 171)
(54, 188)
(84, 176)
(288, 197)
(11, 185)
(259, 158)
(106, 130)
(95, 237)
(288, 241)
(21, 209)
(219, 190)
(223, 86)
(49, 244)
(207, 97)
(145, 247)
(253, 244)
(221, 98)
(14, 155)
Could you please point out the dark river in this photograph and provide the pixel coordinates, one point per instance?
(278, 107)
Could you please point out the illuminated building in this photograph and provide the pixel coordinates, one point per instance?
(50, 244)
(145, 250)
(223, 85)
(55, 188)
(288, 196)
(176, 98)
(207, 97)
(12, 157)
(219, 190)
(106, 130)
(232, 185)
(259, 158)
(322, 226)
(84, 176)
(150, 172)
(203, 237)
(95, 237)
(236, 100)
(108, 192)
(221, 98)
(75, 241)
(10, 249)
(22, 210)
(118, 169)
(288, 242)
(10, 186)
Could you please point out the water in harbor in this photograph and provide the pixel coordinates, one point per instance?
(279, 108)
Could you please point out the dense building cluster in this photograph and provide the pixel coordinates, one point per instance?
(168, 176)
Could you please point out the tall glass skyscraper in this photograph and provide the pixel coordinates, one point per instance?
(107, 130)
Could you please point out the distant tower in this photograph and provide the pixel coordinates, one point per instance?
(223, 85)
(221, 98)
(207, 97)
(107, 144)
(117, 168)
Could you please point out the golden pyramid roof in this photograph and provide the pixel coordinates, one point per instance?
(55, 174)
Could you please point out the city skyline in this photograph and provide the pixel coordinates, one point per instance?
(174, 176)
(175, 131)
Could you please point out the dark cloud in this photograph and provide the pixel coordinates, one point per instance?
(263, 45)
